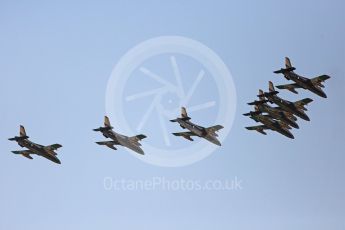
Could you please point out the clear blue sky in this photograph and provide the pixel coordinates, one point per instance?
(55, 61)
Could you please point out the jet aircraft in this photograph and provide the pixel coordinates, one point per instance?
(33, 148)
(196, 130)
(312, 84)
(269, 123)
(119, 139)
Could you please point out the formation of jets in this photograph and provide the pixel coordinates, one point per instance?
(131, 143)
(282, 118)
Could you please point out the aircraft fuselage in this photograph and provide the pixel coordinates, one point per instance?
(198, 130)
(274, 125)
(278, 115)
(123, 140)
(305, 83)
(39, 150)
(288, 106)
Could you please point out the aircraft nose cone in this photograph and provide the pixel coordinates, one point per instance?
(305, 117)
(289, 135)
(141, 152)
(56, 160)
(321, 94)
(295, 125)
(218, 143)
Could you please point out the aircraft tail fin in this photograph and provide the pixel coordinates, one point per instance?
(288, 67)
(22, 132)
(262, 100)
(107, 121)
(271, 87)
(107, 125)
(22, 135)
(287, 63)
(261, 95)
(184, 113)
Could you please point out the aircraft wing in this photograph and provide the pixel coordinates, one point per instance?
(291, 87)
(25, 153)
(186, 135)
(213, 129)
(301, 103)
(137, 138)
(320, 79)
(287, 114)
(258, 128)
(284, 125)
(52, 147)
(109, 144)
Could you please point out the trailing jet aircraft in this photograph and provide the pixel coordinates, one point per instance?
(196, 130)
(277, 113)
(269, 123)
(314, 84)
(33, 148)
(119, 139)
(295, 108)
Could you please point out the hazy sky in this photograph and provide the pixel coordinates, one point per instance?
(55, 62)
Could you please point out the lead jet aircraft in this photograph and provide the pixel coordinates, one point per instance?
(196, 130)
(295, 108)
(269, 123)
(314, 84)
(119, 139)
(33, 148)
(277, 113)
